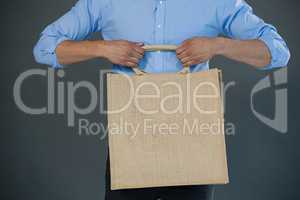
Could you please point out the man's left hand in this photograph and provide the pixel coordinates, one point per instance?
(197, 50)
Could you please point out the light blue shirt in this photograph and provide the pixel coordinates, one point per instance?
(160, 22)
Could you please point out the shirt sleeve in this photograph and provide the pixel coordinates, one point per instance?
(237, 21)
(77, 24)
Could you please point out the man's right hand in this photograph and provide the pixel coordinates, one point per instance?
(122, 52)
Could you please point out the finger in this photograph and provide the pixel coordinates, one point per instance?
(185, 44)
(187, 50)
(133, 60)
(189, 60)
(181, 49)
(138, 46)
(135, 54)
(130, 64)
(140, 51)
(186, 59)
(139, 43)
(135, 51)
(184, 54)
(126, 61)
(194, 61)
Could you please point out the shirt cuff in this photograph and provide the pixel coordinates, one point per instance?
(269, 42)
(52, 51)
(279, 51)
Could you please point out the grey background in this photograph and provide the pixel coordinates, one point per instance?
(41, 158)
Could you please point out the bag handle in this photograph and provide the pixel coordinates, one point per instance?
(148, 48)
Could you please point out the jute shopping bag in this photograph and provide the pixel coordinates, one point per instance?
(166, 129)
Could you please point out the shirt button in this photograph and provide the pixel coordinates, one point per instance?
(160, 2)
(158, 26)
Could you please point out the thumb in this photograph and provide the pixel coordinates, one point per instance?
(139, 43)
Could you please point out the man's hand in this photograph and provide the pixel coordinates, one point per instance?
(197, 50)
(122, 52)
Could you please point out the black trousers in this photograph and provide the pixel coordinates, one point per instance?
(159, 193)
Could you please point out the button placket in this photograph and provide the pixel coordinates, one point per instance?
(159, 28)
